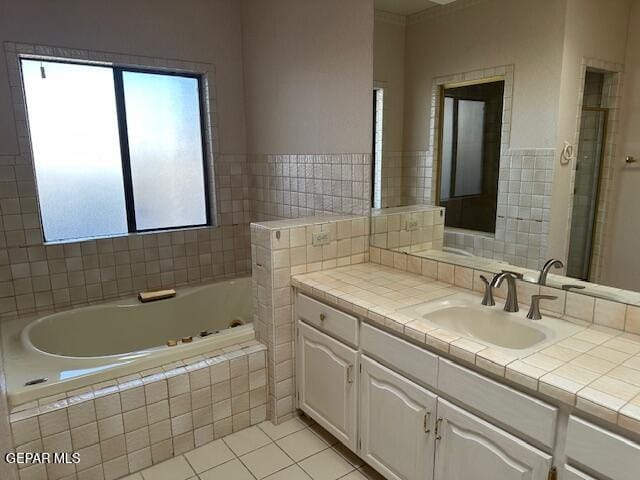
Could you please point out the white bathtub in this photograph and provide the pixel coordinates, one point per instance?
(79, 347)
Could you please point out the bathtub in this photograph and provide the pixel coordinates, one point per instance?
(80, 347)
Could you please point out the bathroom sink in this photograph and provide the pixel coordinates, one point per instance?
(463, 314)
(492, 326)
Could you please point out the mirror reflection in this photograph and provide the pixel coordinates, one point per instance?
(515, 123)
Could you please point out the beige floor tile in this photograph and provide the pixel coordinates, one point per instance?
(175, 469)
(355, 475)
(266, 460)
(276, 432)
(232, 470)
(294, 472)
(246, 440)
(135, 476)
(301, 444)
(326, 465)
(209, 456)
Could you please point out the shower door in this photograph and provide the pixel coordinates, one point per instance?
(586, 189)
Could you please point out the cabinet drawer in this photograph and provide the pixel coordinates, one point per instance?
(521, 412)
(402, 356)
(328, 319)
(602, 451)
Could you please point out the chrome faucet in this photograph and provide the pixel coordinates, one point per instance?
(542, 279)
(534, 309)
(511, 303)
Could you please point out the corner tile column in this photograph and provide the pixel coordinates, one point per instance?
(280, 249)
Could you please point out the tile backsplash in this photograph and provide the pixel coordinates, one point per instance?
(571, 305)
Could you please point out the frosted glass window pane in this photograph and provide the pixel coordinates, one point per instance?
(165, 145)
(469, 148)
(76, 149)
(447, 149)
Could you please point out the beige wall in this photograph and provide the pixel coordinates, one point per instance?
(622, 258)
(388, 72)
(488, 34)
(198, 30)
(308, 75)
(593, 29)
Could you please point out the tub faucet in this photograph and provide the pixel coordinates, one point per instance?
(511, 303)
(542, 279)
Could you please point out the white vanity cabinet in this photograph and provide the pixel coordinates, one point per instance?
(406, 411)
(468, 447)
(397, 418)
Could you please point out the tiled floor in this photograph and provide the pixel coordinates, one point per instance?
(298, 449)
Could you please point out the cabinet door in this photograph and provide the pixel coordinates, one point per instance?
(326, 383)
(468, 447)
(397, 418)
(570, 473)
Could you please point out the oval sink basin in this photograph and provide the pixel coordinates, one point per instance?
(488, 325)
(462, 314)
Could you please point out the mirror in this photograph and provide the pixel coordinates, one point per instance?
(509, 120)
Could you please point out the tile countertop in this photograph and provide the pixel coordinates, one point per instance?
(596, 370)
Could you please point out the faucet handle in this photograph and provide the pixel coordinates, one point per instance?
(534, 309)
(487, 299)
(569, 286)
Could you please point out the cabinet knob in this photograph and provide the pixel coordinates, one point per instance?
(322, 317)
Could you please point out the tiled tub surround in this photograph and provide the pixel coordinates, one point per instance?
(123, 426)
(596, 371)
(35, 277)
(88, 345)
(279, 250)
(408, 229)
(290, 186)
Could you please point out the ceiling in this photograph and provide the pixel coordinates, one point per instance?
(407, 7)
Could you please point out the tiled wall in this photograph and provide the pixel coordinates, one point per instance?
(390, 228)
(524, 205)
(291, 186)
(37, 278)
(279, 250)
(417, 178)
(122, 427)
(391, 179)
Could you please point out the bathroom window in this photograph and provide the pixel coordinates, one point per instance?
(116, 150)
(470, 131)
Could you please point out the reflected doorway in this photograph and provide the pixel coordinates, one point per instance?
(588, 169)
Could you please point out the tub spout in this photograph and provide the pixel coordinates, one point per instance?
(145, 297)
